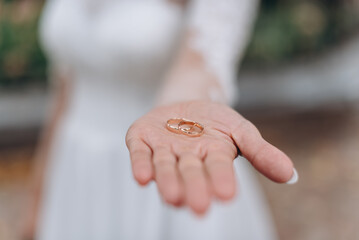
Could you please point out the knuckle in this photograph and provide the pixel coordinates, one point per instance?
(163, 161)
(138, 152)
(185, 148)
(194, 149)
(217, 147)
(162, 149)
(222, 149)
(248, 126)
(187, 166)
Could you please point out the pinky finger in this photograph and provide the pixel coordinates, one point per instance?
(141, 154)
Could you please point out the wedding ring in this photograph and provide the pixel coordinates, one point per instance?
(191, 128)
(172, 125)
(185, 126)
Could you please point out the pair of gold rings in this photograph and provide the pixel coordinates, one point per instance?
(185, 126)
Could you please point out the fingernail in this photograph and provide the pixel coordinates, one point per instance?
(294, 178)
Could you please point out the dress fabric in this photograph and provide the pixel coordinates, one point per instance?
(117, 52)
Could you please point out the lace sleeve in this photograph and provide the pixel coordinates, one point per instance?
(221, 29)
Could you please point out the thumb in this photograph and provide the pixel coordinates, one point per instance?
(265, 157)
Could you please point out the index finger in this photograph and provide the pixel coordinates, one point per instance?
(219, 166)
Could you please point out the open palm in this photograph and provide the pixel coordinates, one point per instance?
(192, 170)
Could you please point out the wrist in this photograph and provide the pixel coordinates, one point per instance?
(190, 79)
(189, 88)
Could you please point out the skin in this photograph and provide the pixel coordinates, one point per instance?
(194, 170)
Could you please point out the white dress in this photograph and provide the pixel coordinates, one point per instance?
(117, 52)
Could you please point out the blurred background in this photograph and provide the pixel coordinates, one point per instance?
(299, 83)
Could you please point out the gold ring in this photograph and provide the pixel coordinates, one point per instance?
(191, 128)
(185, 126)
(172, 124)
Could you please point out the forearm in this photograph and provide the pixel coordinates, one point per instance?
(217, 34)
(58, 105)
(189, 79)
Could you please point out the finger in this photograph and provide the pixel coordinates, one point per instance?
(195, 182)
(167, 177)
(266, 158)
(140, 154)
(219, 166)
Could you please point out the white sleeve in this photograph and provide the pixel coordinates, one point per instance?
(221, 29)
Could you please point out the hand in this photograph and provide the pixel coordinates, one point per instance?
(192, 170)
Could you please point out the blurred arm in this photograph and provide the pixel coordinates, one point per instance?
(215, 39)
(58, 105)
(59, 97)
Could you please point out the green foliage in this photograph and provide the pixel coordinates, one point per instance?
(21, 59)
(287, 29)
